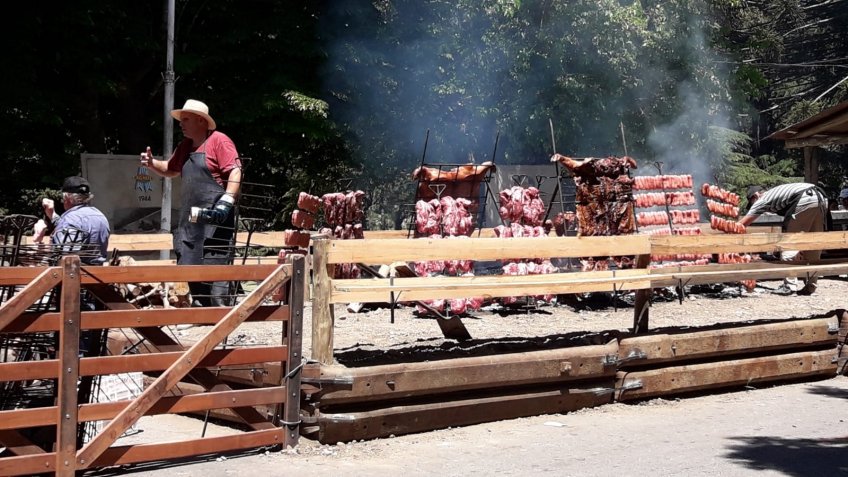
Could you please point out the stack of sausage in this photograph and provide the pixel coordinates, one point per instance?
(667, 221)
(724, 210)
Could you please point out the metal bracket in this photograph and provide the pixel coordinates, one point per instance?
(635, 384)
(337, 380)
(634, 355)
(832, 329)
(520, 179)
(339, 418)
(609, 360)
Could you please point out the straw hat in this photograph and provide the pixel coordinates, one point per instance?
(195, 107)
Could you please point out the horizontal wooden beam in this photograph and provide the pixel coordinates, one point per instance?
(394, 381)
(822, 140)
(391, 250)
(46, 416)
(742, 243)
(663, 348)
(736, 372)
(668, 277)
(397, 420)
(34, 322)
(487, 286)
(47, 369)
(147, 274)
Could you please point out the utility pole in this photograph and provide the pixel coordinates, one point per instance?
(168, 140)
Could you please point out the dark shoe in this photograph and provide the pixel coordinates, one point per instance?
(808, 289)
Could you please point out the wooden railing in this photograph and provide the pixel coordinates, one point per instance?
(329, 253)
(65, 454)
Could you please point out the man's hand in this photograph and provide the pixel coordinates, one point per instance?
(49, 207)
(147, 157)
(219, 213)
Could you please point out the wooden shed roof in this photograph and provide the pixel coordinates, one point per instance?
(827, 127)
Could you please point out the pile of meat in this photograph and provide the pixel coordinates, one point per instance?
(604, 194)
(724, 210)
(525, 211)
(343, 213)
(521, 206)
(604, 203)
(447, 218)
(443, 217)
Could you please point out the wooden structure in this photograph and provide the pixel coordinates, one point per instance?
(825, 128)
(200, 362)
(378, 401)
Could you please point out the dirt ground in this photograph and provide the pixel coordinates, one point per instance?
(794, 429)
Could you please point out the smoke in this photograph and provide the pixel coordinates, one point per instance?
(467, 71)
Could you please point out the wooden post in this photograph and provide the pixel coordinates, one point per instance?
(69, 336)
(642, 303)
(323, 318)
(294, 360)
(811, 165)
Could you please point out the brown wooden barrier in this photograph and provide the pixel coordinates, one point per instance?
(66, 456)
(329, 253)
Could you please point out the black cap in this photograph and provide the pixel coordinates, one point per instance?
(751, 191)
(76, 185)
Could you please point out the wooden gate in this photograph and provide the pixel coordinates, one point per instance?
(66, 454)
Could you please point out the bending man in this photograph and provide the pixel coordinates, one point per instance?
(803, 207)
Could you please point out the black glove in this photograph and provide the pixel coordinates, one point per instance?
(219, 213)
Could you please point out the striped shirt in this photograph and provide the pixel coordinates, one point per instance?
(780, 200)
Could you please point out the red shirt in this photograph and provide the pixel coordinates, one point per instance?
(221, 156)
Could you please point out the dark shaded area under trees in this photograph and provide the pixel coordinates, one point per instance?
(314, 91)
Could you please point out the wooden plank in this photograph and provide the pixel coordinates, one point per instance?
(669, 277)
(122, 455)
(46, 416)
(323, 319)
(37, 286)
(723, 374)
(642, 300)
(16, 444)
(392, 250)
(837, 121)
(47, 369)
(34, 322)
(68, 368)
(487, 286)
(828, 140)
(28, 464)
(145, 274)
(426, 417)
(161, 341)
(397, 381)
(293, 339)
(664, 348)
(181, 367)
(748, 243)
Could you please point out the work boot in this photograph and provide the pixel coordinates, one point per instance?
(808, 289)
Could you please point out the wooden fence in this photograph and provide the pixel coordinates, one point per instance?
(65, 454)
(327, 254)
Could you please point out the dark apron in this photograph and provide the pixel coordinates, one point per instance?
(200, 243)
(790, 211)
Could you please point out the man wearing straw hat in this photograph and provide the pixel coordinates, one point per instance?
(209, 166)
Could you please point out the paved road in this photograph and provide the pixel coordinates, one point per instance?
(796, 430)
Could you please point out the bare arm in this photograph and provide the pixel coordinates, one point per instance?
(748, 220)
(157, 166)
(234, 182)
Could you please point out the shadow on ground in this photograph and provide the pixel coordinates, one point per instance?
(797, 457)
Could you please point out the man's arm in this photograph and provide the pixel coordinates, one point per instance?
(748, 220)
(234, 182)
(157, 166)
